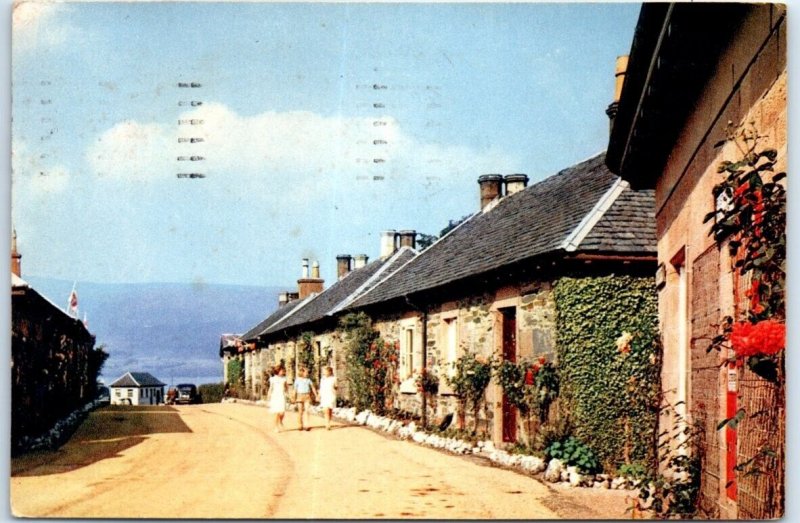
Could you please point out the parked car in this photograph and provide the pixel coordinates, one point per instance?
(187, 394)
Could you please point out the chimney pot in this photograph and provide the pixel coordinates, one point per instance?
(491, 187)
(315, 270)
(408, 238)
(620, 70)
(305, 268)
(283, 299)
(360, 260)
(515, 183)
(342, 265)
(388, 243)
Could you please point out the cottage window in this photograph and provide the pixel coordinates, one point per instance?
(117, 393)
(407, 354)
(130, 393)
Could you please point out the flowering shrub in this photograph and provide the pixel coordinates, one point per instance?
(371, 364)
(751, 218)
(765, 338)
(530, 387)
(472, 376)
(427, 382)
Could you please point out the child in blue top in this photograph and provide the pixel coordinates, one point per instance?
(303, 388)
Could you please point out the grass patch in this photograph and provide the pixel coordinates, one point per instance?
(103, 434)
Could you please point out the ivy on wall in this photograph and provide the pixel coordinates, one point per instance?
(609, 364)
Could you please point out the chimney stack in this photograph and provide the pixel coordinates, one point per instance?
(360, 260)
(388, 243)
(408, 238)
(491, 187)
(515, 183)
(620, 70)
(283, 299)
(16, 257)
(342, 265)
(308, 285)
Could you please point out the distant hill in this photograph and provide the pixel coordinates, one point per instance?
(170, 330)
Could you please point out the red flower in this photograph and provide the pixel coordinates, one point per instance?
(542, 360)
(529, 377)
(764, 338)
(758, 208)
(741, 189)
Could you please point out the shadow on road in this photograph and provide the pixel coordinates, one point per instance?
(103, 434)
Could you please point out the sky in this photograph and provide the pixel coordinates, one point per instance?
(321, 126)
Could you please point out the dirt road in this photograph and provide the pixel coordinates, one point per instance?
(225, 461)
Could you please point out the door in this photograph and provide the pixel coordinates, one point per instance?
(509, 354)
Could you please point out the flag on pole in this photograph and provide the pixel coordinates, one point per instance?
(73, 302)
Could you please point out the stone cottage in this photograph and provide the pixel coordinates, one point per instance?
(489, 286)
(693, 71)
(302, 331)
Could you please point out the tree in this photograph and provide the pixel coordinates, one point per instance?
(426, 240)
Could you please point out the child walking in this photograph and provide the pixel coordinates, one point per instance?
(277, 396)
(327, 395)
(303, 389)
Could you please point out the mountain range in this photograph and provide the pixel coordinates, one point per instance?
(171, 330)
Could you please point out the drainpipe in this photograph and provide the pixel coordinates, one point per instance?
(424, 366)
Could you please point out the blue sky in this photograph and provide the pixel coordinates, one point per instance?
(289, 121)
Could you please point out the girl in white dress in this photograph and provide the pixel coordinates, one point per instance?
(327, 395)
(277, 397)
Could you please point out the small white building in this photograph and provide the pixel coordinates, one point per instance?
(137, 388)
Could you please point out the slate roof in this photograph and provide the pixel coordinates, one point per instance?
(629, 226)
(339, 295)
(137, 379)
(546, 217)
(277, 315)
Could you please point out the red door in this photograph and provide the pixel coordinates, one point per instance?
(509, 354)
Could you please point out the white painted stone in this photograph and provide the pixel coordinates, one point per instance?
(554, 470)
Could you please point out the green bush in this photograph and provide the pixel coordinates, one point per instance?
(636, 470)
(609, 364)
(574, 453)
(211, 392)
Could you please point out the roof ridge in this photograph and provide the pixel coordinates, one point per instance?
(308, 299)
(134, 379)
(386, 264)
(590, 219)
(422, 253)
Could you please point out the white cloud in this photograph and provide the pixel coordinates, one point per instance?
(298, 152)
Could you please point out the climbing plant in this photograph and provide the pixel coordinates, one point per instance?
(469, 381)
(371, 364)
(608, 364)
(305, 354)
(530, 387)
(750, 219)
